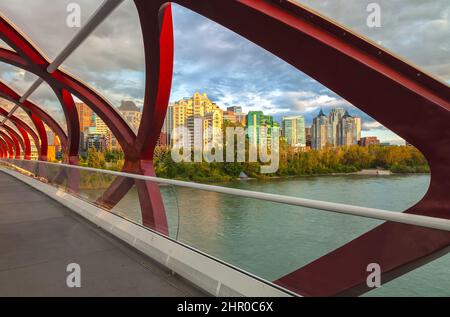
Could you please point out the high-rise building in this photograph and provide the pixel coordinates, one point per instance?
(334, 118)
(100, 126)
(294, 131)
(167, 129)
(358, 128)
(348, 130)
(85, 115)
(308, 137)
(260, 127)
(131, 113)
(199, 109)
(253, 122)
(320, 131)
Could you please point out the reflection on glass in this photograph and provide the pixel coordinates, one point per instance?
(264, 238)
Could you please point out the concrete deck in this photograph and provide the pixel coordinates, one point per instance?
(39, 238)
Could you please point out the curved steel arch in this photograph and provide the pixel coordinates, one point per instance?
(4, 148)
(345, 63)
(13, 142)
(386, 88)
(16, 136)
(9, 144)
(9, 94)
(29, 58)
(25, 130)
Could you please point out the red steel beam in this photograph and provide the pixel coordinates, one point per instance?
(389, 90)
(25, 130)
(30, 59)
(11, 139)
(386, 88)
(9, 94)
(8, 144)
(16, 136)
(4, 148)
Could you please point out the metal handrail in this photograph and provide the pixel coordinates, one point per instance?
(366, 212)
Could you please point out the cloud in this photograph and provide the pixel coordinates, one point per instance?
(212, 59)
(372, 125)
(416, 30)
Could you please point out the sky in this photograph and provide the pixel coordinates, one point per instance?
(209, 58)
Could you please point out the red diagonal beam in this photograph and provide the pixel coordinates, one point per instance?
(28, 58)
(9, 144)
(4, 148)
(25, 130)
(16, 136)
(11, 139)
(9, 94)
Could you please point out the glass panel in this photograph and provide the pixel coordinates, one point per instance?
(267, 239)
(417, 30)
(46, 25)
(91, 187)
(263, 238)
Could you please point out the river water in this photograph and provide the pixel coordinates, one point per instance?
(271, 240)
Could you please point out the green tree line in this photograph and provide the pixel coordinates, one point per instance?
(397, 159)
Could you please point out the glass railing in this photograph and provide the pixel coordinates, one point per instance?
(264, 238)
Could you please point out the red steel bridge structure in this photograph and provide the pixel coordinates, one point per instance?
(388, 89)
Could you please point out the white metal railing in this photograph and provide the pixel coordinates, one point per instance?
(380, 214)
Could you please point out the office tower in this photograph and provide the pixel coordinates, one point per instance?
(260, 127)
(348, 130)
(253, 121)
(358, 128)
(85, 115)
(308, 136)
(197, 109)
(167, 129)
(320, 131)
(334, 118)
(100, 126)
(294, 131)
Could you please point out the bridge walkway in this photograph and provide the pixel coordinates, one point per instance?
(39, 238)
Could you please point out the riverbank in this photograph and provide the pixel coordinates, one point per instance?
(262, 177)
